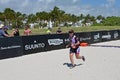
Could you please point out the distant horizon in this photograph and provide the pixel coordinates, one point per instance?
(77, 7)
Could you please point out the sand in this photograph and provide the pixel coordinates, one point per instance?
(102, 63)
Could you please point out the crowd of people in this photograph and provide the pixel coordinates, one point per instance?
(27, 31)
(15, 31)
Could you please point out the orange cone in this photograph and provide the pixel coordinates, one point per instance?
(83, 44)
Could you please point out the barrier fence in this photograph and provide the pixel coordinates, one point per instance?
(18, 46)
(11, 47)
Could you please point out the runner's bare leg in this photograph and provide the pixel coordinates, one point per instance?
(71, 58)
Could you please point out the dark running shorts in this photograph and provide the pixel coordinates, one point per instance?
(76, 50)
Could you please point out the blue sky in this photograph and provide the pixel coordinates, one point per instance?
(93, 7)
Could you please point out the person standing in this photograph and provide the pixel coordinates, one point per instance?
(15, 32)
(5, 28)
(2, 32)
(49, 31)
(27, 31)
(74, 48)
(59, 31)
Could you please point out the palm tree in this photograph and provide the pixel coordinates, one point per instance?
(81, 17)
(9, 16)
(2, 17)
(57, 15)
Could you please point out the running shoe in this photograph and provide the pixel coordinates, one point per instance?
(83, 58)
(72, 66)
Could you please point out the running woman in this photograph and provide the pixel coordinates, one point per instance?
(74, 48)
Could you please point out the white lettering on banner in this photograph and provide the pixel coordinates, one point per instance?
(97, 37)
(67, 40)
(107, 36)
(55, 41)
(87, 38)
(10, 47)
(116, 34)
(34, 46)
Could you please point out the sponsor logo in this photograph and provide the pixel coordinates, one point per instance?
(97, 37)
(55, 41)
(107, 36)
(84, 39)
(67, 40)
(116, 35)
(35, 45)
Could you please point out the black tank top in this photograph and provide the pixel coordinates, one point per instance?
(16, 33)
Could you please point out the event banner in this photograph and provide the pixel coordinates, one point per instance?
(40, 43)
(96, 36)
(56, 41)
(34, 44)
(18, 46)
(85, 37)
(10, 47)
(115, 34)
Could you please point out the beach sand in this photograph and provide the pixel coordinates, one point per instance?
(102, 63)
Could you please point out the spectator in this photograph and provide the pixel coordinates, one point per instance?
(27, 31)
(15, 32)
(59, 31)
(2, 33)
(48, 31)
(5, 28)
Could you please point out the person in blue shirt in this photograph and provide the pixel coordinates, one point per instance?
(5, 28)
(2, 33)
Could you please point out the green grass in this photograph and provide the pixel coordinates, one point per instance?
(37, 31)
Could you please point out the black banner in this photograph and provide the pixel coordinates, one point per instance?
(10, 47)
(85, 37)
(115, 34)
(40, 43)
(34, 44)
(18, 46)
(96, 37)
(106, 36)
(56, 41)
